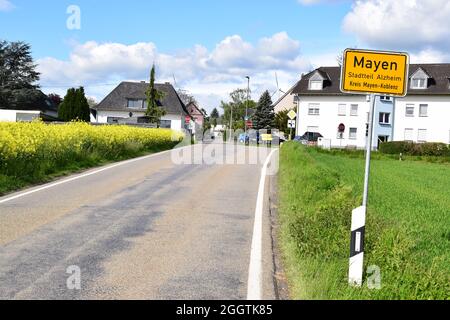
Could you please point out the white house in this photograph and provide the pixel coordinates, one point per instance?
(127, 104)
(342, 119)
(7, 115)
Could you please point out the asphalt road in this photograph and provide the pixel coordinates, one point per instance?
(152, 228)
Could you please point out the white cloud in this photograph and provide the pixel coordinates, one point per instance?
(430, 56)
(401, 24)
(209, 75)
(6, 5)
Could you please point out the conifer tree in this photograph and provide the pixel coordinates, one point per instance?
(154, 96)
(264, 116)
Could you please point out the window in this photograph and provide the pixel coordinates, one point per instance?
(314, 109)
(423, 110)
(410, 110)
(342, 110)
(419, 83)
(113, 119)
(409, 134)
(422, 135)
(385, 98)
(315, 85)
(26, 117)
(385, 118)
(312, 129)
(166, 124)
(135, 103)
(296, 99)
(353, 133)
(354, 110)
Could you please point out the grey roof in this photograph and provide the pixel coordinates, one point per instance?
(438, 84)
(117, 100)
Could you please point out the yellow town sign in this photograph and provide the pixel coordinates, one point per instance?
(380, 72)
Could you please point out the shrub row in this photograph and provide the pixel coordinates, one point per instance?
(415, 149)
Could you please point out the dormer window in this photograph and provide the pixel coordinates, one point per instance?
(419, 83)
(316, 81)
(316, 85)
(419, 79)
(136, 104)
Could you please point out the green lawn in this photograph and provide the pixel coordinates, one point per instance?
(408, 227)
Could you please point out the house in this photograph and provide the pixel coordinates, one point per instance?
(39, 106)
(287, 101)
(127, 104)
(197, 115)
(7, 115)
(422, 116)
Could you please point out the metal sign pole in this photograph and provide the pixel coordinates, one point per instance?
(356, 267)
(369, 148)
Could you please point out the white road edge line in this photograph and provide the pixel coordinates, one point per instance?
(51, 185)
(254, 291)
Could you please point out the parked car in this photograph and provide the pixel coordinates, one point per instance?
(243, 138)
(309, 138)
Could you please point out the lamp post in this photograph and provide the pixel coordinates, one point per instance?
(246, 104)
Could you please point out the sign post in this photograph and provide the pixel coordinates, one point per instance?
(369, 72)
(291, 123)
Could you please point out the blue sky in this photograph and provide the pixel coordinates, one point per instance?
(173, 24)
(209, 46)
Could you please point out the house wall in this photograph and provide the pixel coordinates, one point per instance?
(287, 103)
(328, 121)
(177, 121)
(198, 116)
(383, 129)
(18, 115)
(437, 123)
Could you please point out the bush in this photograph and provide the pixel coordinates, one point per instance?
(415, 149)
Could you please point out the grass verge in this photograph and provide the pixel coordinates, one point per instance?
(408, 227)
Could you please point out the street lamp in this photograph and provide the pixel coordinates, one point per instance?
(248, 100)
(231, 121)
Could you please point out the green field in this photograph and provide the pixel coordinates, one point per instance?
(408, 227)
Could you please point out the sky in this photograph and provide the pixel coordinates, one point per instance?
(208, 47)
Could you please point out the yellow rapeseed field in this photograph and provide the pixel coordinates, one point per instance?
(36, 149)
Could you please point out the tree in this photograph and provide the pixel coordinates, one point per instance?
(214, 117)
(55, 99)
(74, 106)
(215, 114)
(18, 77)
(154, 96)
(186, 97)
(281, 121)
(264, 117)
(92, 102)
(238, 105)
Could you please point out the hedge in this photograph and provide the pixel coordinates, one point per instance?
(416, 149)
